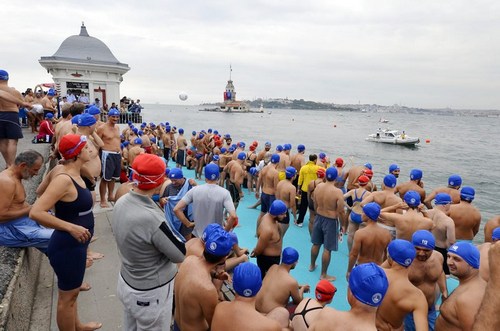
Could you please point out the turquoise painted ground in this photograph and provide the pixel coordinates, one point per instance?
(299, 239)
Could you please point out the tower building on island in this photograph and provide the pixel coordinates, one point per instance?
(84, 65)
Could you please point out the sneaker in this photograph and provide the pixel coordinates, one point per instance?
(300, 224)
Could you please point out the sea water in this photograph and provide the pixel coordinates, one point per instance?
(464, 145)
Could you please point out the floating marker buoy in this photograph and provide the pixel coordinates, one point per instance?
(335, 125)
(427, 141)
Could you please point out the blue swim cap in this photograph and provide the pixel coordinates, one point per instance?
(209, 130)
(193, 133)
(212, 171)
(279, 148)
(86, 120)
(423, 239)
(241, 144)
(416, 174)
(467, 193)
(322, 155)
(140, 133)
(402, 252)
(393, 167)
(223, 150)
(369, 166)
(114, 112)
(253, 171)
(51, 92)
(368, 283)
(442, 199)
(126, 143)
(135, 130)
(49, 116)
(227, 136)
(277, 208)
(242, 155)
(231, 149)
(287, 147)
(390, 180)
(275, 158)
(181, 131)
(153, 140)
(331, 174)
(138, 141)
(167, 128)
(372, 210)
(210, 229)
(219, 243)
(216, 157)
(93, 110)
(468, 252)
(167, 171)
(268, 144)
(496, 234)
(74, 119)
(455, 180)
(234, 146)
(176, 173)
(247, 279)
(201, 135)
(289, 256)
(4, 75)
(301, 148)
(290, 172)
(412, 198)
(216, 132)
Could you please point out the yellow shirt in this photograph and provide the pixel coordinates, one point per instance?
(308, 173)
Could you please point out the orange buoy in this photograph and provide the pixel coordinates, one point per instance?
(427, 141)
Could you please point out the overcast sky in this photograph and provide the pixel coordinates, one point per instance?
(415, 53)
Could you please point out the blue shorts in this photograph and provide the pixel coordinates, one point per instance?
(431, 318)
(25, 232)
(9, 125)
(326, 232)
(111, 165)
(266, 201)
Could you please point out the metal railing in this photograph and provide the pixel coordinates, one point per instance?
(125, 118)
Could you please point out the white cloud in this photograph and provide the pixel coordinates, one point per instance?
(426, 53)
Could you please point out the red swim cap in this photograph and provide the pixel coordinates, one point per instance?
(149, 171)
(368, 173)
(325, 291)
(321, 172)
(339, 162)
(363, 180)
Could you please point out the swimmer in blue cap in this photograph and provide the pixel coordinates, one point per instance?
(369, 243)
(454, 183)
(402, 252)
(394, 170)
(412, 199)
(461, 308)
(368, 286)
(465, 215)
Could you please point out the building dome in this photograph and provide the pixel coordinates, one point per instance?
(85, 48)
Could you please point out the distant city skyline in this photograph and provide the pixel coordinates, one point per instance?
(423, 54)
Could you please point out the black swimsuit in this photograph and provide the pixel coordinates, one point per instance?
(305, 311)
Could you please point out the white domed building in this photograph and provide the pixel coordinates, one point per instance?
(84, 64)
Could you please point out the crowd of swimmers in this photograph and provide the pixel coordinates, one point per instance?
(178, 247)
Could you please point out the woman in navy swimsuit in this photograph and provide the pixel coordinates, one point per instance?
(74, 225)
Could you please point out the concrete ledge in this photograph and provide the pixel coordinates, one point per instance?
(15, 311)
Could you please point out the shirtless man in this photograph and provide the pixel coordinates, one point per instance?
(111, 156)
(367, 289)
(330, 222)
(454, 183)
(246, 283)
(406, 224)
(267, 183)
(270, 238)
(386, 196)
(297, 161)
(321, 174)
(10, 130)
(285, 191)
(48, 103)
(444, 228)
(370, 242)
(402, 297)
(195, 294)
(262, 153)
(91, 169)
(65, 126)
(236, 176)
(17, 229)
(460, 309)
(353, 175)
(167, 141)
(414, 184)
(356, 196)
(308, 309)
(134, 150)
(394, 170)
(425, 273)
(279, 286)
(484, 267)
(493, 223)
(182, 143)
(284, 158)
(467, 218)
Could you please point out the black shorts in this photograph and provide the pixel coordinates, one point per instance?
(266, 201)
(444, 253)
(265, 262)
(180, 158)
(235, 195)
(111, 165)
(9, 125)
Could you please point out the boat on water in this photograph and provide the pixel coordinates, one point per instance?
(230, 104)
(394, 137)
(383, 120)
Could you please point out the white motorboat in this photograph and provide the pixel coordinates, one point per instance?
(394, 137)
(383, 120)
